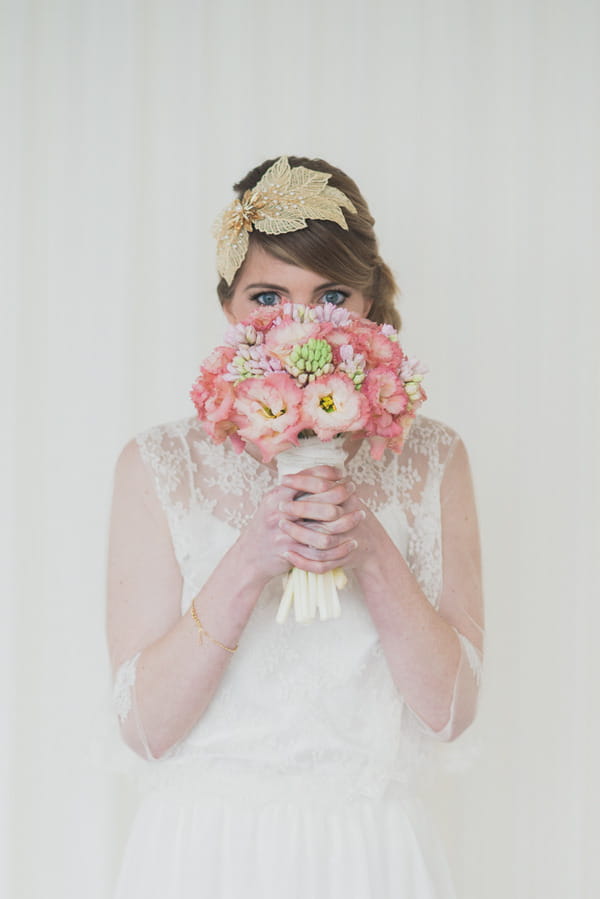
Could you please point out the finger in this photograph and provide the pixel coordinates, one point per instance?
(329, 472)
(320, 562)
(342, 524)
(315, 511)
(314, 480)
(338, 493)
(310, 537)
(278, 495)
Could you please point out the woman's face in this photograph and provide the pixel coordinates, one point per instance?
(265, 280)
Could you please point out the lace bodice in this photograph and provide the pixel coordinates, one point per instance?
(199, 482)
(314, 702)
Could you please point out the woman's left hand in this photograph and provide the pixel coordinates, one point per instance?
(331, 526)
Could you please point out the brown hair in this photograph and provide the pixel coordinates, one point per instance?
(349, 257)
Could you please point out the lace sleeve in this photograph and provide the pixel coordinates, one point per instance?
(460, 599)
(124, 684)
(144, 585)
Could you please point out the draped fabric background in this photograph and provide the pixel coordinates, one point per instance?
(473, 130)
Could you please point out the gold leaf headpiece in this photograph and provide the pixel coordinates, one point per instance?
(282, 201)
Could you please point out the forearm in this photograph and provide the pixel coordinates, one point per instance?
(178, 674)
(422, 649)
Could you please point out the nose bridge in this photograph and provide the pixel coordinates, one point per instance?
(304, 296)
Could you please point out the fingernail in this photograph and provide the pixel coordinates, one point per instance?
(354, 544)
(351, 487)
(363, 514)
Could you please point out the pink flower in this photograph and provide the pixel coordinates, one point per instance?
(269, 383)
(281, 339)
(412, 369)
(213, 398)
(267, 412)
(263, 317)
(396, 443)
(333, 406)
(387, 401)
(339, 337)
(217, 360)
(379, 350)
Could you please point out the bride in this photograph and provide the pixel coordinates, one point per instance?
(286, 760)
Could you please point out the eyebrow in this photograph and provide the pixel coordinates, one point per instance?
(285, 290)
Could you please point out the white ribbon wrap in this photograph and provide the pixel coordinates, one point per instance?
(305, 591)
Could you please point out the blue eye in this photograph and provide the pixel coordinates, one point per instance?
(266, 298)
(335, 297)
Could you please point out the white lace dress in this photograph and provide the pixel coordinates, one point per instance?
(302, 777)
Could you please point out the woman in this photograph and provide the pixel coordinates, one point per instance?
(287, 759)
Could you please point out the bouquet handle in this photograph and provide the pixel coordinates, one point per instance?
(306, 592)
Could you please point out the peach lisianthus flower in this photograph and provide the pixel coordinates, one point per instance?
(332, 405)
(213, 396)
(216, 400)
(387, 400)
(281, 339)
(217, 360)
(267, 412)
(378, 349)
(264, 316)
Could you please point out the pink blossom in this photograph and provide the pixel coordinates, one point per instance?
(213, 398)
(396, 443)
(380, 350)
(412, 368)
(337, 315)
(373, 391)
(263, 317)
(251, 362)
(387, 401)
(211, 395)
(325, 312)
(340, 337)
(333, 406)
(217, 360)
(267, 412)
(281, 339)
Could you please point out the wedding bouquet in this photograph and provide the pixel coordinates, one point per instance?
(291, 379)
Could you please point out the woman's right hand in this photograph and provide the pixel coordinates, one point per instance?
(277, 529)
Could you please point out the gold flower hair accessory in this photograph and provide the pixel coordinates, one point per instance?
(282, 201)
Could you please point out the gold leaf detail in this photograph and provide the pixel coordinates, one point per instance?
(282, 201)
(231, 254)
(278, 225)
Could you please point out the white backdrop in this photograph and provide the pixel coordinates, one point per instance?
(473, 130)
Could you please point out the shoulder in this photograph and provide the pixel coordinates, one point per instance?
(157, 461)
(157, 448)
(169, 440)
(446, 454)
(180, 429)
(433, 438)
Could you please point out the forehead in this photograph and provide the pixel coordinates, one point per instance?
(261, 268)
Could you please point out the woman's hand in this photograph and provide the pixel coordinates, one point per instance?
(313, 532)
(327, 526)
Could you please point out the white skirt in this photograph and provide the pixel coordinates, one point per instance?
(184, 848)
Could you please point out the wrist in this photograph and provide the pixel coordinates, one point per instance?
(244, 560)
(383, 572)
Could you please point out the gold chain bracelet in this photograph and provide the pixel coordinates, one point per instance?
(202, 632)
